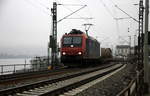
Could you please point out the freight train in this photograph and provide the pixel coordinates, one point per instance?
(79, 49)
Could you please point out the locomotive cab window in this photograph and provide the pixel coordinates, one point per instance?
(72, 40)
(67, 40)
(76, 40)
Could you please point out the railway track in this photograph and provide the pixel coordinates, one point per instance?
(21, 76)
(60, 85)
(32, 78)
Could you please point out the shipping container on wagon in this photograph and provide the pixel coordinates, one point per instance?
(106, 53)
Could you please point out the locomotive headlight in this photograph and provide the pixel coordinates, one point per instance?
(64, 53)
(79, 53)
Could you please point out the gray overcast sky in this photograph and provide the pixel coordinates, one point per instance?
(25, 25)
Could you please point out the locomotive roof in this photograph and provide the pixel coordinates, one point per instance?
(92, 38)
(75, 31)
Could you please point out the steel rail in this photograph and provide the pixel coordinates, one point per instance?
(11, 91)
(27, 75)
(73, 85)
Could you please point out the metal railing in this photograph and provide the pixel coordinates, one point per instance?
(21, 68)
(130, 90)
(133, 89)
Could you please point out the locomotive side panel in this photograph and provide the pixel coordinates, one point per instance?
(92, 49)
(97, 50)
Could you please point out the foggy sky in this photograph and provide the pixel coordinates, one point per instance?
(25, 25)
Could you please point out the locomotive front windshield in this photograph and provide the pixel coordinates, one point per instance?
(76, 41)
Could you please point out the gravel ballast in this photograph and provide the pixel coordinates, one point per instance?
(113, 84)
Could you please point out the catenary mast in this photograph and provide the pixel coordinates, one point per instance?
(53, 38)
(146, 62)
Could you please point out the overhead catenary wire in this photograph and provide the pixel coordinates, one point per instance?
(43, 5)
(82, 2)
(122, 18)
(80, 17)
(107, 9)
(123, 39)
(70, 4)
(71, 13)
(113, 2)
(110, 13)
(66, 17)
(127, 14)
(35, 6)
(77, 14)
(124, 11)
(89, 11)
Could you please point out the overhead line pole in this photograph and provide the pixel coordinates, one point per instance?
(53, 38)
(146, 63)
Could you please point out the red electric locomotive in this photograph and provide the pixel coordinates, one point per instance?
(77, 49)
